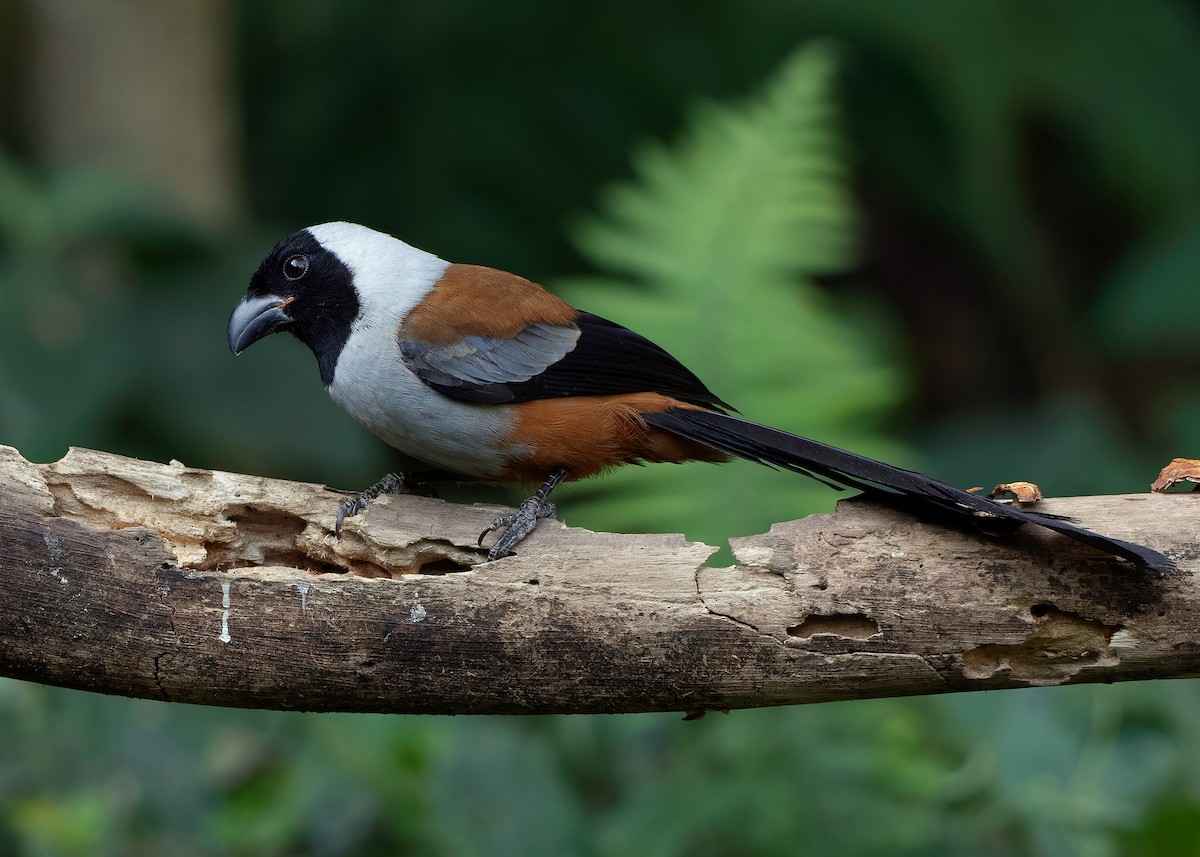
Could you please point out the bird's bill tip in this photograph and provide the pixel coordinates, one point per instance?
(255, 317)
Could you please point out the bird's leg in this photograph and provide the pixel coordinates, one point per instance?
(521, 523)
(392, 483)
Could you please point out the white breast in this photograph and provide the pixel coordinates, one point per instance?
(370, 379)
(375, 387)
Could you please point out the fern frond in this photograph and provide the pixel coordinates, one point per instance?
(713, 249)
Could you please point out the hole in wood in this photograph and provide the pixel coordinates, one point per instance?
(853, 626)
(1058, 646)
(438, 565)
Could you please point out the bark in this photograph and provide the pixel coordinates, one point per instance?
(162, 581)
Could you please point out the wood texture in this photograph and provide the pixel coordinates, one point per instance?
(161, 581)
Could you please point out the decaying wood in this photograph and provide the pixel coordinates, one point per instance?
(167, 582)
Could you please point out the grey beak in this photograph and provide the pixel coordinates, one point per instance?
(254, 318)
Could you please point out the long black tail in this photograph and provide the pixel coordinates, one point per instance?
(839, 468)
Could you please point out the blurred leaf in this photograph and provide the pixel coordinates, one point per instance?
(1073, 765)
(1132, 112)
(478, 811)
(68, 345)
(71, 824)
(1179, 416)
(721, 236)
(1068, 447)
(1150, 302)
(1172, 830)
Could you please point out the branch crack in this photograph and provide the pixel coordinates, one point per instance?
(727, 617)
(166, 697)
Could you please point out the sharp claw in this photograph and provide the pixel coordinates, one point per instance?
(389, 484)
(502, 521)
(347, 510)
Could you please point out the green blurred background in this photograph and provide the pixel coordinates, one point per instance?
(962, 236)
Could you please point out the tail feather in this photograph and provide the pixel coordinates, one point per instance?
(839, 468)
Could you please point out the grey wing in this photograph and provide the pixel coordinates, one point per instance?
(487, 370)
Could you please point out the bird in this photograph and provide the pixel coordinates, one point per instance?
(488, 377)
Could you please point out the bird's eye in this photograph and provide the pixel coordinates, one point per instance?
(295, 267)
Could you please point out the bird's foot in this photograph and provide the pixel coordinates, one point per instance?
(519, 524)
(393, 483)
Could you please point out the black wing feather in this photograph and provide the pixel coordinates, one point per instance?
(607, 359)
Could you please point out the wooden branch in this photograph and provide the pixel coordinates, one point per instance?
(167, 582)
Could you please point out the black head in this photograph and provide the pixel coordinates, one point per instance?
(304, 288)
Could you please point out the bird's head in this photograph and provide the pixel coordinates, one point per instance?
(316, 283)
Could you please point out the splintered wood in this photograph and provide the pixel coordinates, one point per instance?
(167, 582)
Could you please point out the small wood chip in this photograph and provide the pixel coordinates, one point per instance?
(1021, 492)
(1179, 470)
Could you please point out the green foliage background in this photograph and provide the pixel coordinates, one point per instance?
(960, 236)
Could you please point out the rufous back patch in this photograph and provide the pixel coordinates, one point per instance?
(470, 300)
